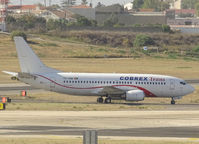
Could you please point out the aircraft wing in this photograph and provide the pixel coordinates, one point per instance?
(11, 73)
(110, 90)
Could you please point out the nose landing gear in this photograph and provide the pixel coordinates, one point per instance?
(173, 102)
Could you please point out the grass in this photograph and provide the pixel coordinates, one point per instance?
(63, 140)
(77, 107)
(179, 68)
(57, 57)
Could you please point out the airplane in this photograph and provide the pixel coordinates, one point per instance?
(107, 86)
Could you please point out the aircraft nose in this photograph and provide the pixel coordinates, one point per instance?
(191, 89)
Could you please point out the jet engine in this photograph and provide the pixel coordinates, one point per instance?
(135, 95)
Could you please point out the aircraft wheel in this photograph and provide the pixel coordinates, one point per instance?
(108, 100)
(173, 102)
(100, 100)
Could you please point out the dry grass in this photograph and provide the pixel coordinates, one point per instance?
(62, 140)
(51, 53)
(78, 107)
(179, 68)
(62, 102)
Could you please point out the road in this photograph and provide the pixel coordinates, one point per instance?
(174, 124)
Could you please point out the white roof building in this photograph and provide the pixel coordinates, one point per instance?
(128, 6)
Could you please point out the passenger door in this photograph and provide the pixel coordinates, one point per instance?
(172, 84)
(52, 84)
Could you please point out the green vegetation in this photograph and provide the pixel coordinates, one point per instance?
(157, 5)
(166, 28)
(18, 33)
(196, 49)
(197, 8)
(113, 20)
(56, 24)
(68, 3)
(143, 40)
(26, 23)
(189, 4)
(34, 24)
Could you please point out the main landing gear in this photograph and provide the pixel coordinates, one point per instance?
(106, 101)
(173, 102)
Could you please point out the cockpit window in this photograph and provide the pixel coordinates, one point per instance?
(183, 83)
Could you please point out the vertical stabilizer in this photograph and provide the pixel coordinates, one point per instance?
(29, 61)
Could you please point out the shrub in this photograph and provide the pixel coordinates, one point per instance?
(18, 33)
(110, 22)
(196, 49)
(143, 40)
(166, 28)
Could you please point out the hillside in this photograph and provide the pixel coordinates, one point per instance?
(62, 54)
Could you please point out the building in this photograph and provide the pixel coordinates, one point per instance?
(57, 14)
(17, 9)
(176, 4)
(3, 14)
(128, 6)
(129, 18)
(83, 10)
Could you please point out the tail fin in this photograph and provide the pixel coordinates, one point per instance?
(29, 61)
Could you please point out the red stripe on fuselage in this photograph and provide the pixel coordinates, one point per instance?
(148, 93)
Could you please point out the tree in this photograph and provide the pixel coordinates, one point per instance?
(143, 40)
(110, 22)
(197, 8)
(84, 2)
(166, 28)
(162, 6)
(18, 33)
(189, 4)
(152, 4)
(68, 3)
(157, 5)
(83, 21)
(99, 4)
(10, 20)
(53, 7)
(138, 4)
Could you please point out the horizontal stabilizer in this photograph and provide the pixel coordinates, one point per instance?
(11, 73)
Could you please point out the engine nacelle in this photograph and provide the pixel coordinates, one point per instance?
(135, 95)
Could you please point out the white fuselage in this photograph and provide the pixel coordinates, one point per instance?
(91, 84)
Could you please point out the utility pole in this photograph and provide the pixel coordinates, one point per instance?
(50, 2)
(3, 13)
(21, 6)
(44, 3)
